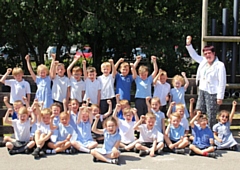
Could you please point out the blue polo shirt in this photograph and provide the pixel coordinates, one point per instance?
(176, 133)
(143, 87)
(202, 136)
(123, 86)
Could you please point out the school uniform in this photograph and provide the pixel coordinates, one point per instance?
(202, 136)
(123, 86)
(77, 87)
(126, 131)
(91, 90)
(64, 131)
(84, 136)
(147, 136)
(176, 133)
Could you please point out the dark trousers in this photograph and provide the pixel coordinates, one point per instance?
(141, 106)
(104, 105)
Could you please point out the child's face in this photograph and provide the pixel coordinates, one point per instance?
(77, 75)
(46, 119)
(42, 73)
(224, 118)
(22, 117)
(64, 120)
(203, 122)
(180, 111)
(84, 117)
(124, 71)
(155, 105)
(106, 70)
(17, 107)
(163, 79)
(74, 106)
(111, 127)
(175, 121)
(91, 75)
(177, 83)
(56, 110)
(95, 111)
(143, 75)
(60, 70)
(150, 122)
(128, 117)
(18, 77)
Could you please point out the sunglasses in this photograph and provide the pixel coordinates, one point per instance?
(225, 116)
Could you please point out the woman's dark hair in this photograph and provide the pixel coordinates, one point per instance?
(209, 48)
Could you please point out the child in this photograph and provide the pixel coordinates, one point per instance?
(124, 80)
(93, 86)
(154, 107)
(43, 132)
(126, 129)
(19, 87)
(65, 132)
(77, 85)
(107, 84)
(56, 110)
(148, 141)
(109, 152)
(222, 134)
(21, 127)
(203, 137)
(143, 86)
(84, 140)
(162, 89)
(174, 135)
(61, 84)
(73, 112)
(124, 104)
(178, 92)
(43, 81)
(96, 110)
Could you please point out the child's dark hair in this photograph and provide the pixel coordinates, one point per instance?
(57, 105)
(75, 101)
(112, 119)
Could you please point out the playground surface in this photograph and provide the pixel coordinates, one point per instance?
(128, 161)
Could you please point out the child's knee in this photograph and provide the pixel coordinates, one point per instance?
(138, 145)
(9, 145)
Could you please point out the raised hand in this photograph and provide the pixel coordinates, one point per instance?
(110, 61)
(234, 103)
(109, 102)
(5, 99)
(183, 74)
(188, 40)
(138, 58)
(9, 70)
(53, 56)
(27, 57)
(84, 62)
(192, 100)
(153, 58)
(97, 116)
(121, 60)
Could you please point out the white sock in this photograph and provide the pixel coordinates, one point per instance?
(109, 160)
(83, 149)
(49, 151)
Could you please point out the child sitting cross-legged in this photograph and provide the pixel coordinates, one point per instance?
(148, 141)
(203, 137)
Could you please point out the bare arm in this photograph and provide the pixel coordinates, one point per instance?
(84, 69)
(153, 148)
(53, 67)
(170, 109)
(155, 67)
(116, 110)
(135, 114)
(5, 100)
(157, 77)
(215, 134)
(99, 97)
(117, 98)
(234, 104)
(33, 120)
(135, 127)
(186, 80)
(163, 126)
(52, 127)
(113, 67)
(134, 72)
(65, 105)
(138, 59)
(71, 66)
(168, 129)
(6, 117)
(30, 68)
(119, 62)
(195, 118)
(109, 109)
(9, 70)
(94, 127)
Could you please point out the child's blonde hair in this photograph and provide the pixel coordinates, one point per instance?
(150, 115)
(105, 64)
(179, 106)
(124, 64)
(175, 114)
(163, 73)
(156, 99)
(76, 69)
(42, 67)
(63, 114)
(61, 65)
(112, 119)
(179, 78)
(17, 102)
(91, 69)
(123, 102)
(46, 111)
(125, 111)
(23, 110)
(16, 71)
(142, 69)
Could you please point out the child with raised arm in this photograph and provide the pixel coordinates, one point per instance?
(77, 85)
(124, 80)
(222, 134)
(65, 132)
(73, 113)
(96, 110)
(177, 94)
(93, 85)
(174, 135)
(84, 140)
(19, 87)
(148, 141)
(56, 110)
(203, 137)
(21, 127)
(144, 86)
(109, 151)
(43, 81)
(162, 89)
(124, 104)
(126, 129)
(61, 84)
(107, 83)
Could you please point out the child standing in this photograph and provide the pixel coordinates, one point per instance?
(107, 84)
(109, 152)
(126, 129)
(93, 86)
(203, 137)
(148, 141)
(222, 134)
(177, 94)
(43, 81)
(143, 86)
(77, 85)
(162, 89)
(61, 84)
(174, 135)
(19, 87)
(21, 128)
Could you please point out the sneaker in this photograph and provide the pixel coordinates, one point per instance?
(115, 161)
(191, 152)
(143, 153)
(27, 151)
(179, 151)
(159, 152)
(212, 155)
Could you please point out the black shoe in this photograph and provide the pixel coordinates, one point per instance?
(159, 152)
(212, 155)
(179, 151)
(27, 151)
(95, 159)
(42, 153)
(143, 153)
(122, 150)
(115, 161)
(73, 150)
(234, 148)
(2, 144)
(36, 151)
(135, 150)
(12, 152)
(191, 152)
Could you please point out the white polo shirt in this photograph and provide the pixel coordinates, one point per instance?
(91, 92)
(59, 88)
(21, 130)
(126, 131)
(77, 87)
(161, 91)
(107, 83)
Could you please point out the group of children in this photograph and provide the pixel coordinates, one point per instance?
(72, 114)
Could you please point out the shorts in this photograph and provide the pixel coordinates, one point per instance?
(147, 144)
(96, 136)
(19, 144)
(45, 146)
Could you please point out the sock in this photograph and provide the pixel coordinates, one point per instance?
(205, 154)
(67, 151)
(109, 160)
(49, 151)
(147, 151)
(83, 149)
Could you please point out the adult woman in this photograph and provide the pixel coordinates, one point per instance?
(211, 76)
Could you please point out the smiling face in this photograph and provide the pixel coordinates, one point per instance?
(74, 106)
(42, 73)
(124, 70)
(84, 116)
(46, 119)
(64, 119)
(60, 70)
(155, 104)
(106, 70)
(16, 107)
(95, 110)
(23, 117)
(77, 75)
(111, 127)
(18, 77)
(143, 75)
(175, 121)
(56, 110)
(177, 83)
(150, 121)
(224, 117)
(180, 111)
(163, 79)
(210, 56)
